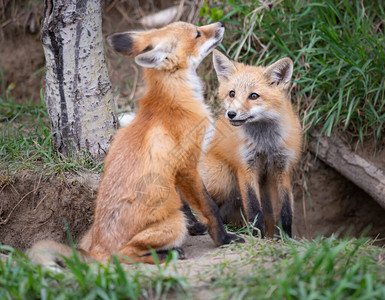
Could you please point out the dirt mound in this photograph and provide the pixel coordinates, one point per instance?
(33, 208)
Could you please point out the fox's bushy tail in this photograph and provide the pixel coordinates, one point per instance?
(51, 254)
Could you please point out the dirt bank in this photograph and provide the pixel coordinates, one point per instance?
(33, 208)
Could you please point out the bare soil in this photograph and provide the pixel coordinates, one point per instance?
(33, 208)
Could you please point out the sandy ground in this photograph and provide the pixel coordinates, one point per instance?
(198, 267)
(202, 253)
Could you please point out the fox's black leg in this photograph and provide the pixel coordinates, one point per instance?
(162, 254)
(193, 225)
(251, 204)
(286, 215)
(285, 195)
(191, 186)
(254, 212)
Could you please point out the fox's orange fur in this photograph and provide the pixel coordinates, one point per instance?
(248, 164)
(138, 206)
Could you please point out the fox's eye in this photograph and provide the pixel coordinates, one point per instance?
(232, 94)
(253, 96)
(198, 34)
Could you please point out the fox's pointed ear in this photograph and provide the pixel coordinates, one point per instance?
(223, 66)
(134, 44)
(122, 42)
(151, 57)
(280, 72)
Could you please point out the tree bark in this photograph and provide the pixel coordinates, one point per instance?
(78, 92)
(358, 170)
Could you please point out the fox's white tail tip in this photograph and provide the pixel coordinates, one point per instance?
(49, 254)
(126, 118)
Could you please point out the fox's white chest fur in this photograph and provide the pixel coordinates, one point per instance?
(196, 86)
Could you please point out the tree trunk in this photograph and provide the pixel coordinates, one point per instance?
(78, 91)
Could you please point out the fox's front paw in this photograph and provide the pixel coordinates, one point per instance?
(197, 228)
(230, 237)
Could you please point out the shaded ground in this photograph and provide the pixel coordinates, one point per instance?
(335, 206)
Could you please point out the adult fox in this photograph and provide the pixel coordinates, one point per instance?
(250, 163)
(138, 207)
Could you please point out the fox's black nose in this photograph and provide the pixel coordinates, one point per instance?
(221, 23)
(231, 114)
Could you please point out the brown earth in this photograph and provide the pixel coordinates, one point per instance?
(32, 208)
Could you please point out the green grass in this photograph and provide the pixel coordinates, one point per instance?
(21, 279)
(26, 142)
(338, 53)
(324, 268)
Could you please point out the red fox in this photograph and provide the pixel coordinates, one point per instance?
(248, 165)
(138, 207)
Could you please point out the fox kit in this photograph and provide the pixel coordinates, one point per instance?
(248, 165)
(138, 207)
